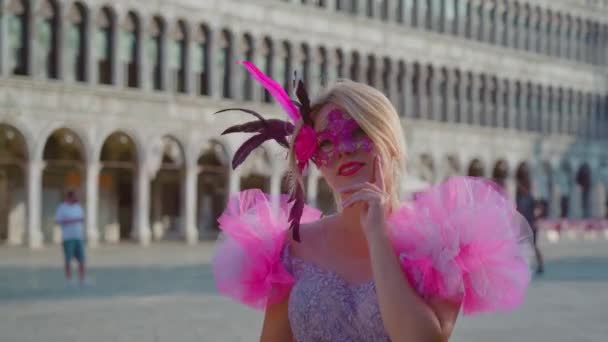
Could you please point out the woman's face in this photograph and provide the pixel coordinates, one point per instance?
(345, 154)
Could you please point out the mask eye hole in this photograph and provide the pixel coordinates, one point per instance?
(325, 145)
(358, 133)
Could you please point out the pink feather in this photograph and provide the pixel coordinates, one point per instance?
(275, 89)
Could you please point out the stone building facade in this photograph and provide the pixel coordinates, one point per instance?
(116, 99)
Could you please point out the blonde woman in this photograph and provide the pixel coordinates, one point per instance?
(378, 269)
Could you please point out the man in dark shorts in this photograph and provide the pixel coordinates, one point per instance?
(70, 216)
(526, 206)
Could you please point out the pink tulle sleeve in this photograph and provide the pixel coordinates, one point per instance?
(464, 240)
(247, 264)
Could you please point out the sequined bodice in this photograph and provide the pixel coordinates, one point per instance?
(325, 307)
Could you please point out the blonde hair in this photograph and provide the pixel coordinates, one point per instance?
(379, 120)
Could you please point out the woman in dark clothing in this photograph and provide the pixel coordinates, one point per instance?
(526, 205)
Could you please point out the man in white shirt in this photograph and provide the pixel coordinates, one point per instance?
(70, 216)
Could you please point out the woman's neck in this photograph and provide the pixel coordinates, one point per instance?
(349, 232)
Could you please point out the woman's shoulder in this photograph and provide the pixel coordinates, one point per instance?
(312, 234)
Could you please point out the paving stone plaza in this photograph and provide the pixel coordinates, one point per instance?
(165, 293)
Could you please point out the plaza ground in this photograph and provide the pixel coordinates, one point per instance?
(165, 293)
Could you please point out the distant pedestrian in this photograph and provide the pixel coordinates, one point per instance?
(526, 205)
(70, 216)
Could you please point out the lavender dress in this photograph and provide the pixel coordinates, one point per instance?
(325, 307)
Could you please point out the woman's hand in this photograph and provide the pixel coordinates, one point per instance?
(373, 199)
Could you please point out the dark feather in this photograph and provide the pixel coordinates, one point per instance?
(248, 111)
(243, 152)
(295, 213)
(248, 127)
(302, 95)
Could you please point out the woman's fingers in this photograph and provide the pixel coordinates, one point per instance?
(357, 187)
(367, 195)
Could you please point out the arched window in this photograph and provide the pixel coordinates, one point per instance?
(322, 71)
(416, 91)
(370, 76)
(155, 52)
(247, 47)
(200, 60)
(354, 66)
(48, 37)
(340, 64)
(386, 76)
(304, 67)
(104, 45)
(285, 65)
(268, 58)
(18, 32)
(77, 41)
(130, 49)
(225, 63)
(443, 95)
(179, 57)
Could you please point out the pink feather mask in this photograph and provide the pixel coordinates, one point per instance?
(305, 142)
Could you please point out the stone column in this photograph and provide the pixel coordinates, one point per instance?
(450, 106)
(510, 188)
(189, 70)
(190, 195)
(555, 201)
(423, 98)
(239, 75)
(522, 32)
(574, 40)
(500, 110)
(34, 201)
(486, 24)
(275, 189)
(408, 97)
(475, 101)
(460, 18)
(314, 82)
(393, 93)
(511, 105)
(598, 200)
(142, 215)
(576, 207)
(545, 116)
(474, 19)
(92, 202)
(312, 189)
(145, 79)
(563, 115)
(32, 43)
(585, 49)
(165, 71)
(435, 107)
(523, 108)
(500, 27)
(464, 104)
(362, 10)
(90, 49)
(548, 103)
(330, 5)
(585, 115)
(564, 41)
(511, 26)
(4, 40)
(234, 182)
(117, 65)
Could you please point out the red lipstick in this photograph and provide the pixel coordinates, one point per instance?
(350, 168)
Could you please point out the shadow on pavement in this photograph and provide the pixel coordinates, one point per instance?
(35, 283)
(586, 269)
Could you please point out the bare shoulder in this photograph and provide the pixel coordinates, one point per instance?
(312, 235)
